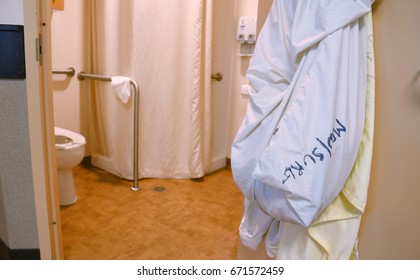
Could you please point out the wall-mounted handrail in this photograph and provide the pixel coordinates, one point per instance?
(69, 72)
(81, 76)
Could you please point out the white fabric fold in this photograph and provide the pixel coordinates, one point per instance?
(305, 49)
(121, 87)
(304, 121)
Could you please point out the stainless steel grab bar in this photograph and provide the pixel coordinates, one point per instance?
(69, 72)
(81, 76)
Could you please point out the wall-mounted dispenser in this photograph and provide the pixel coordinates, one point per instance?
(247, 34)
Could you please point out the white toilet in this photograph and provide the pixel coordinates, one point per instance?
(70, 150)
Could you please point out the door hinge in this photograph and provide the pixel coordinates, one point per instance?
(38, 45)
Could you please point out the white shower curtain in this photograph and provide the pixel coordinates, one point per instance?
(165, 45)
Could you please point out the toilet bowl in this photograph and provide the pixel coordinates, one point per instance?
(70, 150)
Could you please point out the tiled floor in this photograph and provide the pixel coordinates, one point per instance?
(187, 220)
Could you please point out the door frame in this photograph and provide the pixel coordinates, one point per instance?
(41, 126)
(41, 120)
(222, 62)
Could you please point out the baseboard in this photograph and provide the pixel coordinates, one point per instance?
(218, 162)
(18, 254)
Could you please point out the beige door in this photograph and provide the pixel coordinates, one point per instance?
(223, 16)
(391, 224)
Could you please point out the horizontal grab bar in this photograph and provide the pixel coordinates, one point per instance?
(69, 72)
(81, 76)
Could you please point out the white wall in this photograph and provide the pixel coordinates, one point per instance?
(240, 66)
(68, 50)
(8, 12)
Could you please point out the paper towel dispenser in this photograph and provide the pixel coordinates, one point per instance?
(12, 52)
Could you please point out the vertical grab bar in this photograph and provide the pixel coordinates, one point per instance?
(81, 76)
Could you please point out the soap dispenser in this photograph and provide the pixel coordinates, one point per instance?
(246, 35)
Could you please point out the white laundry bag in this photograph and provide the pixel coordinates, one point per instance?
(305, 117)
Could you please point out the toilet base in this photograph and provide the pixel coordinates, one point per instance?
(66, 187)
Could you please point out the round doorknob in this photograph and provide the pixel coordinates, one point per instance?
(218, 76)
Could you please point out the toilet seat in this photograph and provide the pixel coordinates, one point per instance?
(66, 139)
